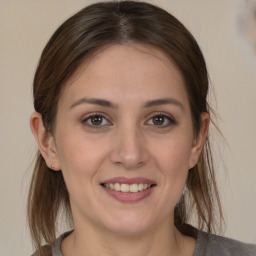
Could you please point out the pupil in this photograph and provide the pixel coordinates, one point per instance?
(158, 120)
(96, 120)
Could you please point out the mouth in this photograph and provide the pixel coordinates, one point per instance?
(128, 188)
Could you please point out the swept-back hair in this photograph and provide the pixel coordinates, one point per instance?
(89, 30)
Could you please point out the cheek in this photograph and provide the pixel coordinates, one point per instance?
(174, 154)
(80, 160)
(75, 149)
(173, 159)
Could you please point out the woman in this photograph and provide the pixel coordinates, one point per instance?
(122, 123)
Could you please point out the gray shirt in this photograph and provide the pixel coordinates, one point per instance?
(206, 245)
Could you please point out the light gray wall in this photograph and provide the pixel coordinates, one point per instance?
(25, 27)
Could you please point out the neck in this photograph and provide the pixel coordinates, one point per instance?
(165, 240)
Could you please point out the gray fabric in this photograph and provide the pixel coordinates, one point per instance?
(212, 245)
(206, 245)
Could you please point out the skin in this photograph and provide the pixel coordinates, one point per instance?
(127, 143)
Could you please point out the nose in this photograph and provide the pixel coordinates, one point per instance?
(129, 149)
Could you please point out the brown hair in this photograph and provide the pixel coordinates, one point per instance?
(94, 27)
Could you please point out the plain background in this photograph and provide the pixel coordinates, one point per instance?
(25, 27)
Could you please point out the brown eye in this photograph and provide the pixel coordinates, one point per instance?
(95, 121)
(161, 121)
(158, 120)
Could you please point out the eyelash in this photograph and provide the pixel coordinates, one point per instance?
(89, 118)
(171, 120)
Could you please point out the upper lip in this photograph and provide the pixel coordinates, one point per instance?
(124, 180)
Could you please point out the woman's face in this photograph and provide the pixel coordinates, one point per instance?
(124, 123)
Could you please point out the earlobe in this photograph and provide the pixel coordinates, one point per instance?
(45, 141)
(199, 140)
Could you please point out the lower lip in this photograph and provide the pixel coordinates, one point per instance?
(129, 197)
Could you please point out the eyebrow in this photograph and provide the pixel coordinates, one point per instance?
(94, 101)
(109, 104)
(164, 101)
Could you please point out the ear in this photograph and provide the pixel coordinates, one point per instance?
(45, 141)
(199, 141)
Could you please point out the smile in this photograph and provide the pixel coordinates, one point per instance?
(129, 190)
(125, 188)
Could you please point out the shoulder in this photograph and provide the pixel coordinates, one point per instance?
(212, 245)
(53, 249)
(46, 250)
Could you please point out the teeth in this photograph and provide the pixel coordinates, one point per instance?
(133, 188)
(140, 187)
(117, 187)
(125, 187)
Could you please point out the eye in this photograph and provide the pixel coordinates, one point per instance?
(161, 120)
(95, 121)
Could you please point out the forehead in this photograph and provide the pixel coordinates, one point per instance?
(130, 53)
(126, 71)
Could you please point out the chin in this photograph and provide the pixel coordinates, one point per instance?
(131, 224)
